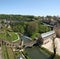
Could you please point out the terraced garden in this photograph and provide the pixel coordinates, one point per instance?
(4, 52)
(10, 36)
(8, 53)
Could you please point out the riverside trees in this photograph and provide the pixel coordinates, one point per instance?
(32, 29)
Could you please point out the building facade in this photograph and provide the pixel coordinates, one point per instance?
(47, 36)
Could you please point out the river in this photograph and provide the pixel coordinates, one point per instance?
(36, 53)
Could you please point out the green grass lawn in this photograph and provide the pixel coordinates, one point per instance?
(4, 52)
(10, 36)
(7, 52)
(10, 53)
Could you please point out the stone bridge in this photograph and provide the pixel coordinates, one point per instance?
(30, 44)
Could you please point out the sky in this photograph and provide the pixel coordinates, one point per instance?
(30, 7)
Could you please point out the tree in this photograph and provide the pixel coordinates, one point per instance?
(43, 28)
(32, 28)
(21, 29)
(18, 28)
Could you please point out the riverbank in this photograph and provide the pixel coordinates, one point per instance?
(50, 53)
